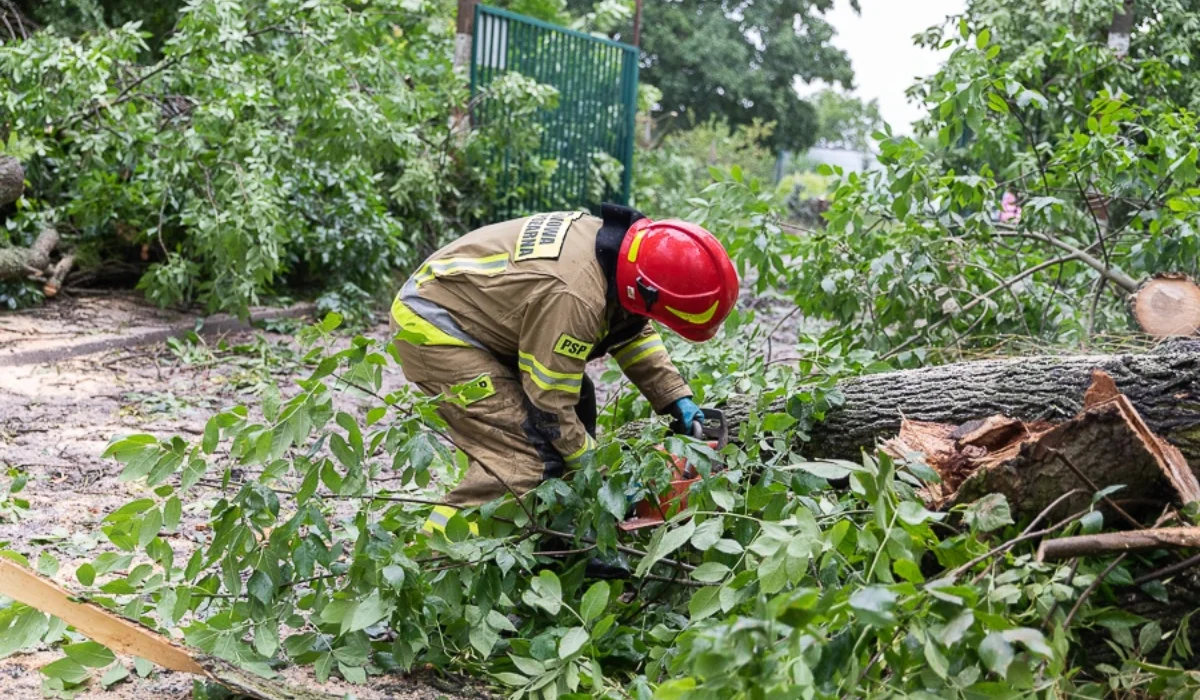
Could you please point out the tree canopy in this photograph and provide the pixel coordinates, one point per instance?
(741, 62)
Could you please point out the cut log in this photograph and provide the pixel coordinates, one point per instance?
(19, 263)
(1163, 386)
(1167, 305)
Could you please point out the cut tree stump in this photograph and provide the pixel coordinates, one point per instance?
(1167, 305)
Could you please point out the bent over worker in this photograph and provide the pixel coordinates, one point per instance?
(515, 310)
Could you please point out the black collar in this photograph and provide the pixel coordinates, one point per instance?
(622, 326)
(617, 220)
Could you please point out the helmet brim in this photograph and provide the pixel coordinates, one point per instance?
(696, 334)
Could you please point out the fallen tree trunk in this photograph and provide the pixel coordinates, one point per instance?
(1164, 387)
(20, 263)
(12, 180)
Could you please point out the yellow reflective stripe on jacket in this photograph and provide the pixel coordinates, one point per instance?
(409, 321)
(440, 516)
(639, 350)
(547, 378)
(577, 456)
(445, 267)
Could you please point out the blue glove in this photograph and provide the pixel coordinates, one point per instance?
(686, 412)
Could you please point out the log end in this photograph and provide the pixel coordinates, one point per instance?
(1168, 305)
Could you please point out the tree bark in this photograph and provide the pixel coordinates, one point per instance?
(19, 263)
(1164, 386)
(12, 180)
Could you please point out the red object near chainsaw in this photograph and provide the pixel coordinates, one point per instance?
(652, 512)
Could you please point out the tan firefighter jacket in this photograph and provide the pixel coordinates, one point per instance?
(539, 294)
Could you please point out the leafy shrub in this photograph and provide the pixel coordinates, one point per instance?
(271, 144)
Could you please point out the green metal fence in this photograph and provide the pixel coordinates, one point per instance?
(597, 83)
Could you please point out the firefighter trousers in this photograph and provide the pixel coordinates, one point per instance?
(502, 433)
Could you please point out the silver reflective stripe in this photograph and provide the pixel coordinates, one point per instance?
(439, 317)
(439, 518)
(548, 381)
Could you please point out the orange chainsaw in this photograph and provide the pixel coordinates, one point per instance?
(653, 510)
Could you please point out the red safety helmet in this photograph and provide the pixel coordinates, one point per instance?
(677, 274)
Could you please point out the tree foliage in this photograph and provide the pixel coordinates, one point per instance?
(1097, 149)
(741, 61)
(272, 144)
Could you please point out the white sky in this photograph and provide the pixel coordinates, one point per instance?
(879, 43)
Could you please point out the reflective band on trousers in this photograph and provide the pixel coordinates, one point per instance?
(425, 318)
(639, 350)
(577, 456)
(488, 265)
(547, 378)
(441, 516)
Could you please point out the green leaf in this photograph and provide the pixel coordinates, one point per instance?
(914, 513)
(663, 544)
(937, 661)
(366, 612)
(114, 675)
(572, 642)
(996, 653)
(260, 587)
(594, 601)
(708, 533)
(151, 524)
(331, 322)
(47, 565)
(212, 433)
(988, 513)
(544, 592)
(67, 670)
(172, 512)
(484, 639)
(704, 603)
(874, 605)
(143, 667)
(823, 470)
(982, 39)
(89, 654)
(710, 572)
(86, 574)
(612, 500)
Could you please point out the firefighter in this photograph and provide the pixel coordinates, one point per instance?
(505, 319)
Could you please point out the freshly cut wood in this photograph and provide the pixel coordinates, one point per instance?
(92, 621)
(1167, 305)
(128, 637)
(1105, 543)
(12, 180)
(1033, 464)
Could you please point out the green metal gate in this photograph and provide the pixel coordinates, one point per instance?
(597, 83)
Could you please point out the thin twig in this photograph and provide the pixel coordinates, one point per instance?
(1166, 571)
(1090, 590)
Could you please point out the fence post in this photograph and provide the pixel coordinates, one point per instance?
(464, 32)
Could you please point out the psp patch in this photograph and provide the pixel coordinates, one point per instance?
(573, 348)
(542, 236)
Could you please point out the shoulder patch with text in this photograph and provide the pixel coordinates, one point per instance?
(543, 235)
(572, 347)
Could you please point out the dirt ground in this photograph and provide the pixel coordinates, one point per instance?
(57, 416)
